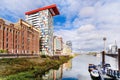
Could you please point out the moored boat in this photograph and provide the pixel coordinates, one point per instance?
(94, 73)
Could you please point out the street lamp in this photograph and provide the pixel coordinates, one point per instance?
(103, 54)
(104, 39)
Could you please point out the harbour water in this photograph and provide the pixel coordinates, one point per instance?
(77, 68)
(112, 61)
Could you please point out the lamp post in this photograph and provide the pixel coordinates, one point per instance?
(103, 54)
(104, 39)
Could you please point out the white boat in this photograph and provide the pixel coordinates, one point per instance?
(95, 73)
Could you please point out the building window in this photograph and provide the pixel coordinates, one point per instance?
(4, 28)
(7, 34)
(16, 46)
(22, 37)
(7, 45)
(18, 33)
(7, 29)
(13, 31)
(22, 47)
(6, 39)
(43, 18)
(27, 51)
(16, 51)
(16, 36)
(10, 30)
(0, 26)
(16, 41)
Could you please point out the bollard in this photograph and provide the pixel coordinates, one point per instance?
(118, 73)
(103, 59)
(110, 72)
(115, 73)
(119, 59)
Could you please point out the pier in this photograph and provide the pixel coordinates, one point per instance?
(112, 55)
(113, 73)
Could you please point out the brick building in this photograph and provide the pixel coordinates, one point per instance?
(19, 38)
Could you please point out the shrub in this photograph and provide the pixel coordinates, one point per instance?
(3, 51)
(43, 56)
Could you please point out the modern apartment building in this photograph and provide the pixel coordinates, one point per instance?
(57, 45)
(42, 18)
(69, 44)
(66, 49)
(19, 38)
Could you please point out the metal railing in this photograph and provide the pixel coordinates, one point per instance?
(113, 73)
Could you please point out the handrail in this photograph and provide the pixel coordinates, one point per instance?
(113, 73)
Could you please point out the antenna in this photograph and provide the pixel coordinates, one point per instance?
(116, 46)
(115, 42)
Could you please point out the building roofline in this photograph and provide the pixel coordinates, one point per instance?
(21, 21)
(52, 8)
(29, 25)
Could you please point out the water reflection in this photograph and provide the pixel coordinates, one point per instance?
(75, 69)
(54, 74)
(67, 66)
(57, 74)
(79, 70)
(69, 78)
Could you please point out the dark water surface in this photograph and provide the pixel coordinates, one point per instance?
(75, 69)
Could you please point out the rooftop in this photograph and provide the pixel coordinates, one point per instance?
(52, 8)
(6, 21)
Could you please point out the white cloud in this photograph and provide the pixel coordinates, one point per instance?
(71, 8)
(82, 38)
(86, 28)
(88, 20)
(87, 11)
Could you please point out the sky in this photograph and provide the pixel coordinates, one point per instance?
(84, 22)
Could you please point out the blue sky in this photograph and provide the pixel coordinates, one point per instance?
(84, 22)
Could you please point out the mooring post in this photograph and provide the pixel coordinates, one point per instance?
(119, 59)
(103, 59)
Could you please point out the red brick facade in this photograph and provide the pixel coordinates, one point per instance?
(19, 38)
